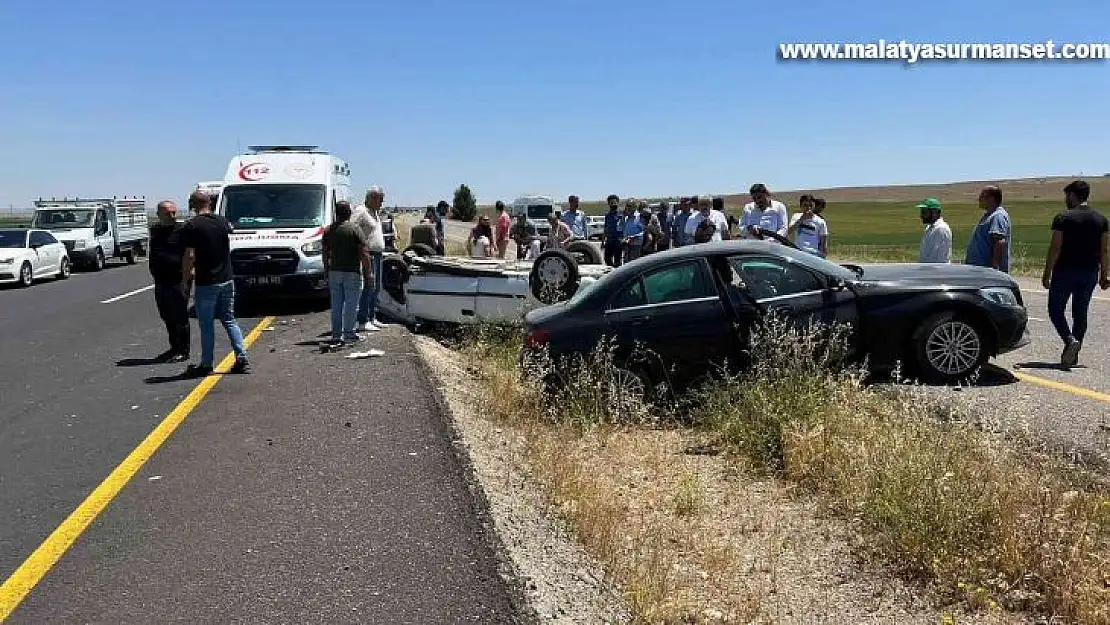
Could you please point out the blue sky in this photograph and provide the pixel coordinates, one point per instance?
(634, 98)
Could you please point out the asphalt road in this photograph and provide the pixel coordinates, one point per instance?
(1028, 389)
(316, 490)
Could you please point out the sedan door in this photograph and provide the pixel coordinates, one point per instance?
(675, 317)
(803, 296)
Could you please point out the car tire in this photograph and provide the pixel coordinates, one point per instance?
(26, 275)
(949, 348)
(554, 277)
(420, 250)
(129, 256)
(98, 260)
(395, 273)
(585, 253)
(631, 380)
(64, 269)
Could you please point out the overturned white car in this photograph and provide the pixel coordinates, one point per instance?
(438, 289)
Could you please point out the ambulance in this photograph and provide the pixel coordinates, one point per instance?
(279, 199)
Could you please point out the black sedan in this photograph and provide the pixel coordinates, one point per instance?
(692, 308)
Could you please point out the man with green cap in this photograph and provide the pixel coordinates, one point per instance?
(936, 243)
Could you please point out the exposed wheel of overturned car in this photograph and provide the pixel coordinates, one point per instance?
(554, 276)
(584, 252)
(420, 249)
(394, 275)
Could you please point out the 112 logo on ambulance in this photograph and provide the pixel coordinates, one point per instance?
(253, 172)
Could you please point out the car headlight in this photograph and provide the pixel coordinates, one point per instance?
(1000, 295)
(79, 245)
(313, 248)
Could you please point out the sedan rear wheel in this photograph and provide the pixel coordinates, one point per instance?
(64, 269)
(629, 391)
(950, 348)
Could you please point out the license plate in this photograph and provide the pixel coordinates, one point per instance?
(263, 280)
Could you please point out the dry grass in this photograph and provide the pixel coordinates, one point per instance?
(926, 492)
(403, 226)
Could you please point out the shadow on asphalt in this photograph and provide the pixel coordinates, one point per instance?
(993, 375)
(138, 362)
(182, 377)
(165, 379)
(1047, 366)
(989, 376)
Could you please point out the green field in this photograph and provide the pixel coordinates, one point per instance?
(891, 231)
(882, 231)
(14, 222)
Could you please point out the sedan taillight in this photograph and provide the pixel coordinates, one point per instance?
(537, 338)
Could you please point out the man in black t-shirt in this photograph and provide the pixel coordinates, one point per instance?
(208, 260)
(1076, 263)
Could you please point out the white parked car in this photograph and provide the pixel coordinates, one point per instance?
(438, 289)
(29, 254)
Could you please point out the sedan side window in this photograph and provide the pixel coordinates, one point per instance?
(770, 277)
(631, 295)
(39, 239)
(677, 283)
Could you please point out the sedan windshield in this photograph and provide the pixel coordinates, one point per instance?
(12, 238)
(58, 218)
(274, 205)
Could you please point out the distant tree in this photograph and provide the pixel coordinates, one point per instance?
(464, 208)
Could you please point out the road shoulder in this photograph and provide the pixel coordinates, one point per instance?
(562, 583)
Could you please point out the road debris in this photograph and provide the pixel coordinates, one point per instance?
(370, 354)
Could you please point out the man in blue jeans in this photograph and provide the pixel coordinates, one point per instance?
(1076, 263)
(207, 261)
(369, 219)
(347, 261)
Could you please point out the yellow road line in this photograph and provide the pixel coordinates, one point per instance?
(39, 563)
(1061, 386)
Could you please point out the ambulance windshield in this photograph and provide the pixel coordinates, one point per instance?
(274, 205)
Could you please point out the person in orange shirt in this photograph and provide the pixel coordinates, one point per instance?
(504, 225)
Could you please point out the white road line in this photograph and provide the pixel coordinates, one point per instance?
(135, 292)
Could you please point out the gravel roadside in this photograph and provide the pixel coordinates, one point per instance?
(755, 550)
(561, 582)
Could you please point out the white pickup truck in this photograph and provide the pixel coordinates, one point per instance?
(94, 230)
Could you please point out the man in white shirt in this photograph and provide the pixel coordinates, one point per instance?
(705, 213)
(763, 213)
(809, 230)
(368, 218)
(936, 243)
